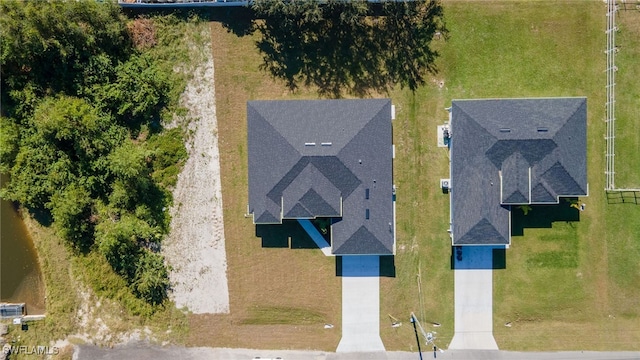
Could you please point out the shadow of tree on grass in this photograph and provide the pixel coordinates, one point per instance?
(349, 47)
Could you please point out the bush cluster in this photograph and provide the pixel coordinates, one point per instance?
(81, 134)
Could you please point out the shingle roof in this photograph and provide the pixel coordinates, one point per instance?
(512, 151)
(310, 158)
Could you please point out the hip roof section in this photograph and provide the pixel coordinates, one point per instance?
(513, 152)
(324, 158)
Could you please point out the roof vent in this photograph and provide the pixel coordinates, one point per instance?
(309, 144)
(326, 144)
(505, 130)
(543, 129)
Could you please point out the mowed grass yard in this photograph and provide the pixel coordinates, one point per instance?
(280, 298)
(572, 286)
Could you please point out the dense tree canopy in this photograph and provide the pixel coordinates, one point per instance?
(80, 134)
(53, 47)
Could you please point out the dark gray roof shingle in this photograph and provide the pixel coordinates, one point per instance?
(509, 152)
(362, 242)
(317, 205)
(312, 158)
(562, 182)
(267, 218)
(298, 211)
(541, 194)
(482, 233)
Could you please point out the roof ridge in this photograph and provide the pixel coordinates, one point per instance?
(297, 168)
(546, 187)
(310, 193)
(476, 122)
(475, 230)
(514, 193)
(261, 117)
(566, 122)
(563, 168)
(366, 124)
(295, 211)
(332, 176)
(353, 239)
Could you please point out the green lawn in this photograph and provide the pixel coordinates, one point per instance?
(628, 101)
(575, 285)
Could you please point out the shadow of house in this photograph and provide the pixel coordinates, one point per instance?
(289, 234)
(387, 266)
(542, 216)
(478, 258)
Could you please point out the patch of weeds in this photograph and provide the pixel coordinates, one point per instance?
(274, 315)
(554, 259)
(168, 156)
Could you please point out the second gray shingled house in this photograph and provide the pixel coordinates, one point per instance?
(325, 158)
(507, 152)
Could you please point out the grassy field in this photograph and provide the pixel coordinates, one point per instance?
(279, 297)
(575, 285)
(628, 101)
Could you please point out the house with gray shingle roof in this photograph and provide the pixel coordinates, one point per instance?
(325, 158)
(507, 152)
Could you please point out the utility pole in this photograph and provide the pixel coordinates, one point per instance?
(413, 321)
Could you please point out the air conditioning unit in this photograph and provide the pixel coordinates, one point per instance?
(445, 184)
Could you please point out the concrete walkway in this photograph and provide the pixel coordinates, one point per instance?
(473, 277)
(360, 304)
(315, 235)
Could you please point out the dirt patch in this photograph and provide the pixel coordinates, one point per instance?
(195, 247)
(269, 279)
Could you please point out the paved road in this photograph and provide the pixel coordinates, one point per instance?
(360, 304)
(142, 351)
(473, 281)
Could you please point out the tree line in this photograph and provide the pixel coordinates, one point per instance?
(81, 133)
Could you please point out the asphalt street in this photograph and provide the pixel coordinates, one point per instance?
(143, 351)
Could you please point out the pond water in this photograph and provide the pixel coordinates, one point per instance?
(20, 275)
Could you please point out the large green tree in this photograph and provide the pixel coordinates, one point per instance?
(78, 105)
(64, 142)
(9, 142)
(137, 93)
(57, 46)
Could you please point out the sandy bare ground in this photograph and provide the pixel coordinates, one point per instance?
(195, 247)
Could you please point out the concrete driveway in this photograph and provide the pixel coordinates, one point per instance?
(360, 304)
(473, 278)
